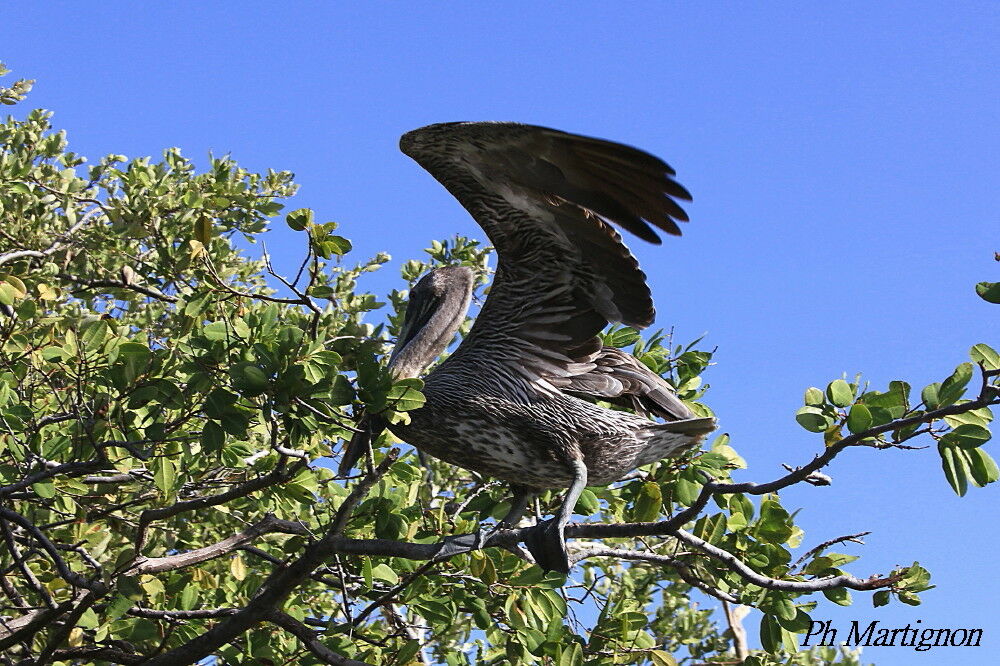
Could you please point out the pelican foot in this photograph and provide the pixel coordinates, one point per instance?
(547, 545)
(465, 543)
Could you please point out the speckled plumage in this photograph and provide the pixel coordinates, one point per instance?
(468, 422)
(507, 402)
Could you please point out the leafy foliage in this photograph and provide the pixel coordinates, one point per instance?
(165, 411)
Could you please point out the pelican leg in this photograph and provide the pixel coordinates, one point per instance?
(464, 543)
(547, 543)
(518, 504)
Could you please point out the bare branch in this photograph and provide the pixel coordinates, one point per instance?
(23, 628)
(278, 586)
(152, 292)
(68, 469)
(94, 653)
(683, 570)
(985, 399)
(18, 558)
(737, 565)
(267, 525)
(61, 240)
(326, 418)
(853, 538)
(199, 613)
(62, 631)
(734, 618)
(67, 574)
(308, 638)
(279, 474)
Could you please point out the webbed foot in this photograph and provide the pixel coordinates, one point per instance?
(464, 543)
(547, 544)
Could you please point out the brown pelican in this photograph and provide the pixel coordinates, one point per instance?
(509, 402)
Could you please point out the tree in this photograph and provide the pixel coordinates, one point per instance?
(166, 404)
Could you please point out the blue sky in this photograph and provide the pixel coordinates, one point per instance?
(843, 160)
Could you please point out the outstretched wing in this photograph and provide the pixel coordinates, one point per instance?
(545, 199)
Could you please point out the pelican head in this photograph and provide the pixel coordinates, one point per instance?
(437, 307)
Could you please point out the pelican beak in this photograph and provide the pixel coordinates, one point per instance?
(418, 312)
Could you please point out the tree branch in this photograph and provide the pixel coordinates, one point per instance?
(60, 241)
(736, 565)
(278, 475)
(308, 639)
(267, 525)
(70, 469)
(683, 570)
(94, 653)
(67, 574)
(278, 586)
(152, 292)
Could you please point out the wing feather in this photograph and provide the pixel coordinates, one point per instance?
(547, 199)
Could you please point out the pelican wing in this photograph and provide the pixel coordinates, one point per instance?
(622, 379)
(545, 198)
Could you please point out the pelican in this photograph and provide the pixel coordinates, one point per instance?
(512, 400)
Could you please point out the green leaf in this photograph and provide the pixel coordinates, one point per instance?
(880, 598)
(7, 294)
(813, 419)
(385, 572)
(930, 395)
(966, 436)
(838, 595)
(237, 567)
(203, 230)
(55, 354)
(954, 468)
(367, 572)
(978, 417)
(299, 219)
(774, 524)
(649, 503)
(405, 395)
(212, 437)
(686, 491)
(953, 387)
(814, 397)
(218, 330)
(989, 291)
(188, 597)
(165, 475)
(218, 403)
(338, 244)
(407, 652)
(45, 489)
(984, 469)
(341, 393)
(117, 608)
(622, 337)
(840, 393)
(799, 623)
(588, 504)
(859, 418)
(661, 658)
(986, 356)
(93, 333)
(248, 378)
(770, 634)
(528, 577)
